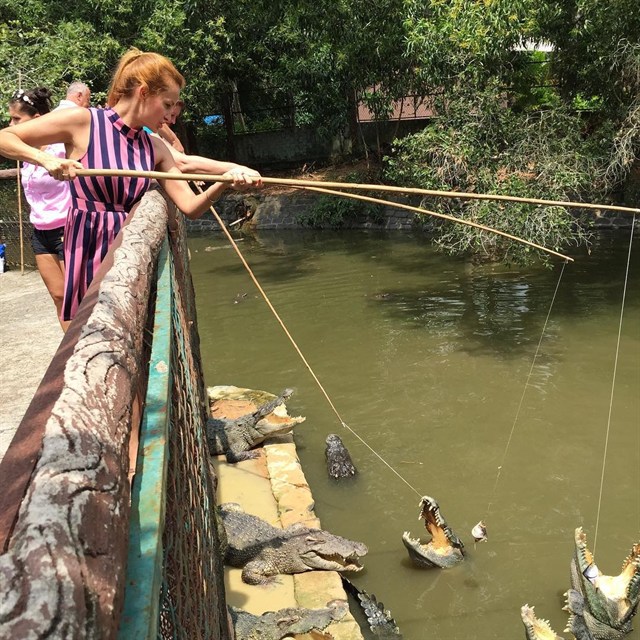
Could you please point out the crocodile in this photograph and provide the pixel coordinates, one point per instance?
(578, 625)
(536, 628)
(339, 463)
(380, 622)
(580, 620)
(611, 601)
(284, 623)
(264, 551)
(235, 437)
(444, 550)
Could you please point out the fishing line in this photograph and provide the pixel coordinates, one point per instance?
(295, 346)
(304, 360)
(524, 391)
(613, 384)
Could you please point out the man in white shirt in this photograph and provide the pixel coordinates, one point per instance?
(78, 95)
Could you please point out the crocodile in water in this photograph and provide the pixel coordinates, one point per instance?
(444, 550)
(611, 601)
(339, 463)
(578, 623)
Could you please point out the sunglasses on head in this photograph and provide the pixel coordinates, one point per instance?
(21, 95)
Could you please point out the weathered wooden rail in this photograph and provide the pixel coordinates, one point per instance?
(82, 557)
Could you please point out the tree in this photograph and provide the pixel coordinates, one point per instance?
(487, 139)
(597, 64)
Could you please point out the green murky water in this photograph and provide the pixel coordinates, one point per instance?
(429, 360)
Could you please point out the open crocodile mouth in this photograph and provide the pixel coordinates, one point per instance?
(345, 556)
(585, 557)
(622, 591)
(335, 562)
(444, 549)
(442, 537)
(426, 552)
(536, 628)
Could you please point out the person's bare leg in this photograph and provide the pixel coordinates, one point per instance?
(52, 273)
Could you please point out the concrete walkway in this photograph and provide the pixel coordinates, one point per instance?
(29, 336)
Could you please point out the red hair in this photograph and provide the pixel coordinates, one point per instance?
(142, 69)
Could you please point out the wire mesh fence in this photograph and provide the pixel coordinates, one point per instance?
(192, 596)
(15, 228)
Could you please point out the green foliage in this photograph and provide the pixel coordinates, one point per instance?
(51, 43)
(464, 41)
(479, 146)
(35, 55)
(334, 212)
(504, 114)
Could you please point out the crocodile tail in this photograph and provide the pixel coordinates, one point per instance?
(380, 621)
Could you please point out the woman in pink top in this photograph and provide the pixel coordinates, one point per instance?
(48, 198)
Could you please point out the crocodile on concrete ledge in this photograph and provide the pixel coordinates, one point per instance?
(264, 551)
(611, 601)
(444, 550)
(285, 623)
(235, 437)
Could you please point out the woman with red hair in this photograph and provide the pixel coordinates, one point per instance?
(143, 92)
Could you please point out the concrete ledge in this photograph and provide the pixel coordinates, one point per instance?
(273, 487)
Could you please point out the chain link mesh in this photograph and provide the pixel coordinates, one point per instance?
(15, 228)
(192, 598)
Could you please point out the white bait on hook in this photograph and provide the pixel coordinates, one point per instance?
(479, 532)
(591, 572)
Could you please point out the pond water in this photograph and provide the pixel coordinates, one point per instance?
(432, 362)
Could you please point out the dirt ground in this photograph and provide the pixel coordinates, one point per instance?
(29, 337)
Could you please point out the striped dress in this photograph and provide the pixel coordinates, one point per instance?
(100, 205)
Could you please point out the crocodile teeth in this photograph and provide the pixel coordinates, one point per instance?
(407, 536)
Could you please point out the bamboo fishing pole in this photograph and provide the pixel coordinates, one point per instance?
(313, 186)
(438, 215)
(21, 234)
(160, 175)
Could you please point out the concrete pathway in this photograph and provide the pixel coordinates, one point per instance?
(29, 337)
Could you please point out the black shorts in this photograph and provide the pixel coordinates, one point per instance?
(48, 242)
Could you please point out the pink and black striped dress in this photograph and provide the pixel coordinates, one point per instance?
(100, 205)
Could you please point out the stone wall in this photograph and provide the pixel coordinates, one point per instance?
(283, 211)
(273, 210)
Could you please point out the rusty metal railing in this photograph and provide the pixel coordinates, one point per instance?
(70, 531)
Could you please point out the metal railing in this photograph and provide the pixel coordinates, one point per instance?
(70, 531)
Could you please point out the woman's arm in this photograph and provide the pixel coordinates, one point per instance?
(170, 138)
(191, 204)
(201, 164)
(70, 126)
